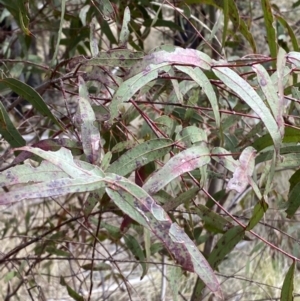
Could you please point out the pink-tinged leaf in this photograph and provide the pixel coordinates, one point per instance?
(244, 171)
(141, 207)
(181, 163)
(90, 135)
(178, 56)
(52, 188)
(281, 63)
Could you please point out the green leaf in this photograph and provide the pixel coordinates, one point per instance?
(295, 179)
(114, 58)
(90, 135)
(226, 21)
(22, 174)
(191, 136)
(270, 93)
(181, 199)
(166, 125)
(291, 135)
(71, 292)
(135, 248)
(269, 24)
(293, 202)
(288, 285)
(10, 275)
(8, 130)
(93, 40)
(23, 18)
(223, 157)
(132, 85)
(141, 155)
(106, 161)
(124, 34)
(53, 250)
(59, 33)
(248, 94)
(102, 266)
(31, 96)
(174, 275)
(64, 160)
(125, 145)
(259, 210)
(183, 162)
(290, 31)
(201, 79)
(223, 247)
(213, 221)
(107, 9)
(238, 23)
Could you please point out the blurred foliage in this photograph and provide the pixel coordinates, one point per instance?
(124, 157)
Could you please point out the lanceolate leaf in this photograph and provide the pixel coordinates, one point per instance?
(291, 135)
(186, 196)
(135, 247)
(240, 178)
(114, 58)
(247, 93)
(183, 162)
(124, 34)
(132, 85)
(140, 155)
(175, 56)
(140, 206)
(223, 157)
(293, 200)
(259, 210)
(234, 15)
(30, 95)
(288, 285)
(191, 136)
(8, 130)
(201, 79)
(26, 173)
(52, 188)
(272, 98)
(223, 247)
(63, 159)
(72, 293)
(213, 220)
(269, 23)
(90, 135)
(290, 31)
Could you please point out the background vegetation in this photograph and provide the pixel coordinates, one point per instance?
(133, 169)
